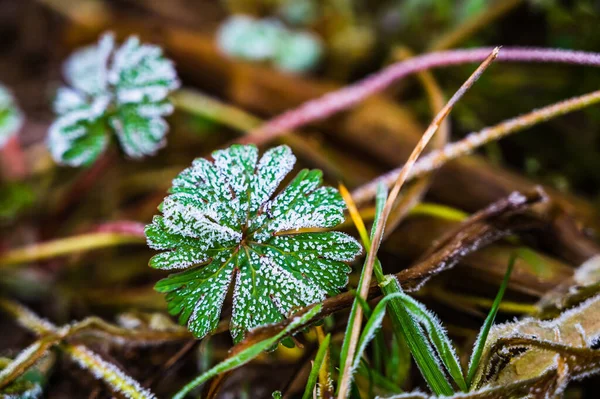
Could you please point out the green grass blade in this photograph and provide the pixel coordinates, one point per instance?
(351, 318)
(485, 329)
(380, 381)
(439, 339)
(247, 354)
(373, 324)
(398, 364)
(418, 343)
(314, 372)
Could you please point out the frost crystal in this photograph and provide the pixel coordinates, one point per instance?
(223, 223)
(122, 89)
(11, 118)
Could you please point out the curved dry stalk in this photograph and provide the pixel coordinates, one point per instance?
(437, 158)
(344, 387)
(415, 193)
(347, 96)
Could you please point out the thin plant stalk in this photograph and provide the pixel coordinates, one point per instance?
(65, 246)
(378, 234)
(348, 96)
(404, 326)
(414, 194)
(437, 158)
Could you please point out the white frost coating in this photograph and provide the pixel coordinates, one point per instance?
(11, 117)
(109, 373)
(139, 73)
(134, 80)
(24, 355)
(87, 69)
(220, 217)
(589, 272)
(74, 125)
(67, 100)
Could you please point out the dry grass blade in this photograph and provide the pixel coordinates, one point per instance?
(377, 236)
(435, 159)
(414, 194)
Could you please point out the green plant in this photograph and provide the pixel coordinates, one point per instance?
(221, 217)
(269, 40)
(11, 117)
(121, 89)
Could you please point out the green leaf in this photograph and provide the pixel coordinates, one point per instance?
(438, 337)
(487, 325)
(121, 89)
(223, 223)
(248, 354)
(406, 324)
(11, 118)
(316, 367)
(78, 137)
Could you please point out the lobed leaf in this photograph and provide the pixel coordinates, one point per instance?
(223, 222)
(121, 89)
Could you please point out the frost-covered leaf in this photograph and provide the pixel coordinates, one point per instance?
(79, 136)
(123, 90)
(11, 118)
(86, 71)
(223, 223)
(268, 39)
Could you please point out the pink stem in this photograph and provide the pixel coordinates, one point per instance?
(347, 96)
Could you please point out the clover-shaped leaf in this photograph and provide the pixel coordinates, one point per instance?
(124, 90)
(223, 223)
(11, 118)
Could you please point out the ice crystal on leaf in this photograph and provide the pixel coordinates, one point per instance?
(222, 222)
(121, 89)
(11, 118)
